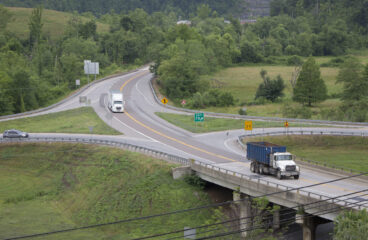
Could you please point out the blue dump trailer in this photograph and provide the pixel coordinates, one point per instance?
(269, 158)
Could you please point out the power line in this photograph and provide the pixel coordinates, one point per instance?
(289, 221)
(180, 211)
(289, 211)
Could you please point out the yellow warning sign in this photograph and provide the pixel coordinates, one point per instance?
(286, 124)
(164, 100)
(248, 125)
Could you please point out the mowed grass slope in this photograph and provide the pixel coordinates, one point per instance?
(345, 152)
(54, 22)
(72, 121)
(48, 187)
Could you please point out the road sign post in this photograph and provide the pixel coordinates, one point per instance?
(198, 117)
(248, 126)
(286, 124)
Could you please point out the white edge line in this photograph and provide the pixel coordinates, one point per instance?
(136, 86)
(230, 149)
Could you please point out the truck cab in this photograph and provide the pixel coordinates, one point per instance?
(284, 162)
(116, 101)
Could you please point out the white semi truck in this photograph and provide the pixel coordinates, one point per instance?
(116, 101)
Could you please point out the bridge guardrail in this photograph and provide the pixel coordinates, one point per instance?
(308, 161)
(281, 187)
(172, 158)
(126, 146)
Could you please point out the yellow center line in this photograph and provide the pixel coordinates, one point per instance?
(178, 141)
(196, 148)
(132, 78)
(164, 135)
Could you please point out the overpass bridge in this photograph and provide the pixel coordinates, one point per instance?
(318, 207)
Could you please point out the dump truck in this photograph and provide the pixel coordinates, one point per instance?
(269, 158)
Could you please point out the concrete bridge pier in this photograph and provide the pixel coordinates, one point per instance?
(276, 217)
(243, 206)
(309, 225)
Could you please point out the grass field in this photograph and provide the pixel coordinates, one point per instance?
(243, 82)
(72, 121)
(346, 152)
(48, 187)
(54, 22)
(218, 124)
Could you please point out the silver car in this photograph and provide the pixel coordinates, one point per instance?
(14, 133)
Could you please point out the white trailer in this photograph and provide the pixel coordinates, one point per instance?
(116, 101)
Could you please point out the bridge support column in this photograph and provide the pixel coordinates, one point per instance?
(243, 206)
(309, 225)
(276, 217)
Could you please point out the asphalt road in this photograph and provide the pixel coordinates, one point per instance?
(141, 126)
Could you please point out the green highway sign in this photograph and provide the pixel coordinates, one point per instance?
(198, 117)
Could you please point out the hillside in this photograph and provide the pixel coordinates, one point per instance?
(54, 22)
(59, 186)
(100, 7)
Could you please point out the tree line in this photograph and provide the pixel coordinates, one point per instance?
(100, 7)
(39, 69)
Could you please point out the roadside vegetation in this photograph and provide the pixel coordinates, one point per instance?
(48, 187)
(71, 121)
(212, 124)
(343, 152)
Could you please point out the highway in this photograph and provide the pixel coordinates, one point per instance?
(139, 125)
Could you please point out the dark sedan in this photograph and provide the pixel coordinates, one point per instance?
(14, 133)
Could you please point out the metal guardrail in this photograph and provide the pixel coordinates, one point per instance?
(246, 117)
(126, 146)
(323, 133)
(279, 187)
(169, 157)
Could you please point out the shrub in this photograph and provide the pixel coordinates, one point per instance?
(195, 181)
(242, 111)
(294, 61)
(296, 112)
(271, 89)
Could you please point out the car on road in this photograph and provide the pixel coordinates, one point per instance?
(14, 133)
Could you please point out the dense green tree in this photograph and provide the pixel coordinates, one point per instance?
(250, 52)
(351, 225)
(310, 87)
(35, 26)
(355, 85)
(88, 30)
(179, 75)
(270, 89)
(6, 94)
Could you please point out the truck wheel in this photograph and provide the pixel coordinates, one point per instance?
(296, 177)
(252, 168)
(261, 170)
(279, 175)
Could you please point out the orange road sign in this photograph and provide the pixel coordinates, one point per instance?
(164, 100)
(286, 124)
(248, 125)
